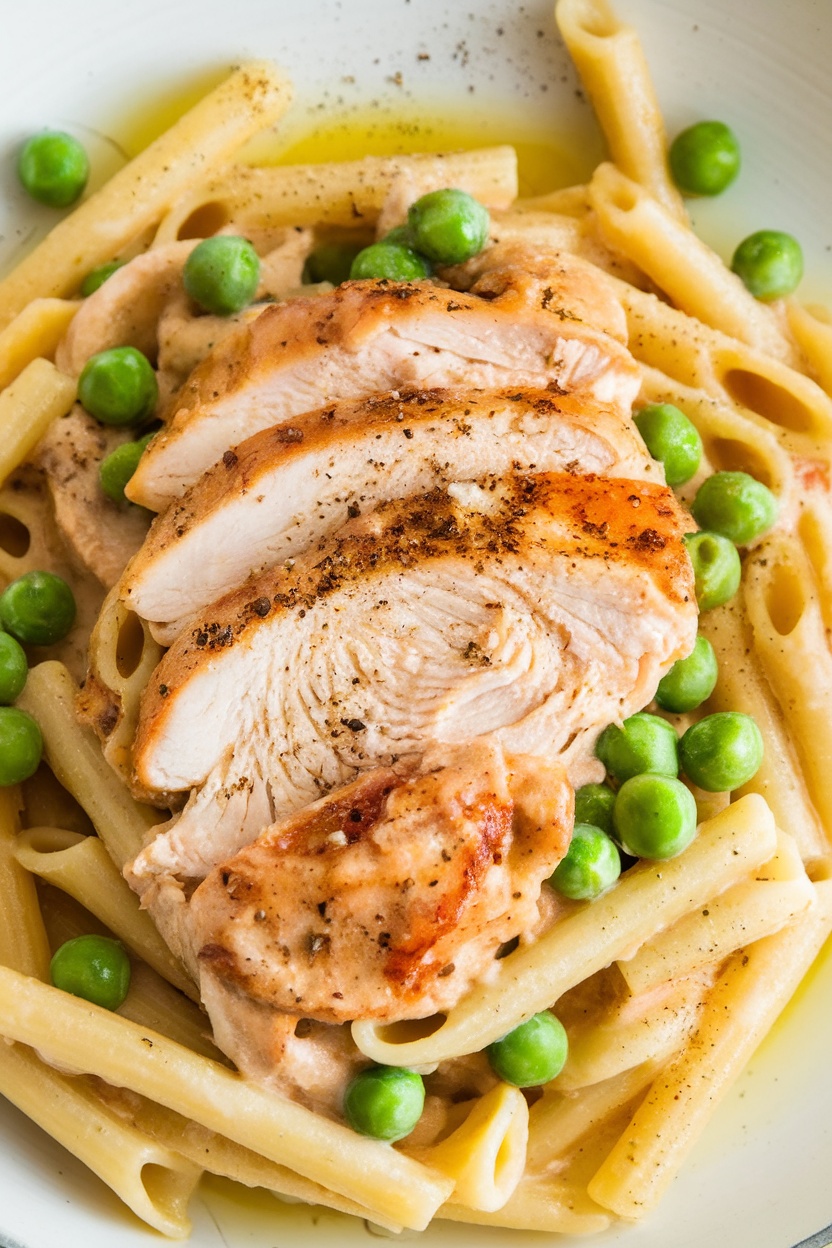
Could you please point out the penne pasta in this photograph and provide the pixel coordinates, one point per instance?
(766, 390)
(743, 687)
(646, 1028)
(609, 58)
(86, 1038)
(154, 1181)
(556, 1207)
(812, 332)
(33, 334)
(754, 987)
(350, 194)
(791, 639)
(633, 222)
(216, 1154)
(666, 981)
(73, 754)
(152, 1001)
(486, 1155)
(23, 942)
(27, 408)
(560, 1119)
(775, 895)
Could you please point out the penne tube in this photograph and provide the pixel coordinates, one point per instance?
(23, 942)
(218, 1155)
(348, 194)
(649, 1027)
(486, 1155)
(633, 222)
(34, 333)
(650, 895)
(83, 1037)
(27, 408)
(731, 440)
(778, 893)
(252, 97)
(814, 528)
(154, 1181)
(74, 756)
(812, 331)
(610, 60)
(742, 686)
(81, 866)
(561, 1118)
(776, 397)
(791, 639)
(755, 986)
(123, 654)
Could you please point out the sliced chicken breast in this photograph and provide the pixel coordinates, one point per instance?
(102, 535)
(538, 609)
(285, 488)
(387, 898)
(369, 337)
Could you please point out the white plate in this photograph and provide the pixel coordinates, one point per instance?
(762, 1174)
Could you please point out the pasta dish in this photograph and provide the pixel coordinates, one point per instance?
(424, 595)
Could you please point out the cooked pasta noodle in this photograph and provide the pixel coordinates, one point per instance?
(667, 981)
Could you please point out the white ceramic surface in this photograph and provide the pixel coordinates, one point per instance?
(762, 1175)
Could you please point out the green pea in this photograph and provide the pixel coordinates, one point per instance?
(400, 234)
(533, 1053)
(385, 1102)
(118, 386)
(593, 804)
(690, 680)
(221, 274)
(644, 742)
(97, 277)
(38, 608)
(116, 470)
(21, 746)
(448, 226)
(591, 866)
(390, 261)
(716, 568)
(53, 167)
(735, 505)
(705, 158)
(330, 262)
(722, 752)
(770, 263)
(96, 968)
(13, 669)
(671, 438)
(654, 816)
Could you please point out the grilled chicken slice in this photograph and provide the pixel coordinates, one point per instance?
(102, 535)
(387, 898)
(287, 487)
(539, 609)
(369, 337)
